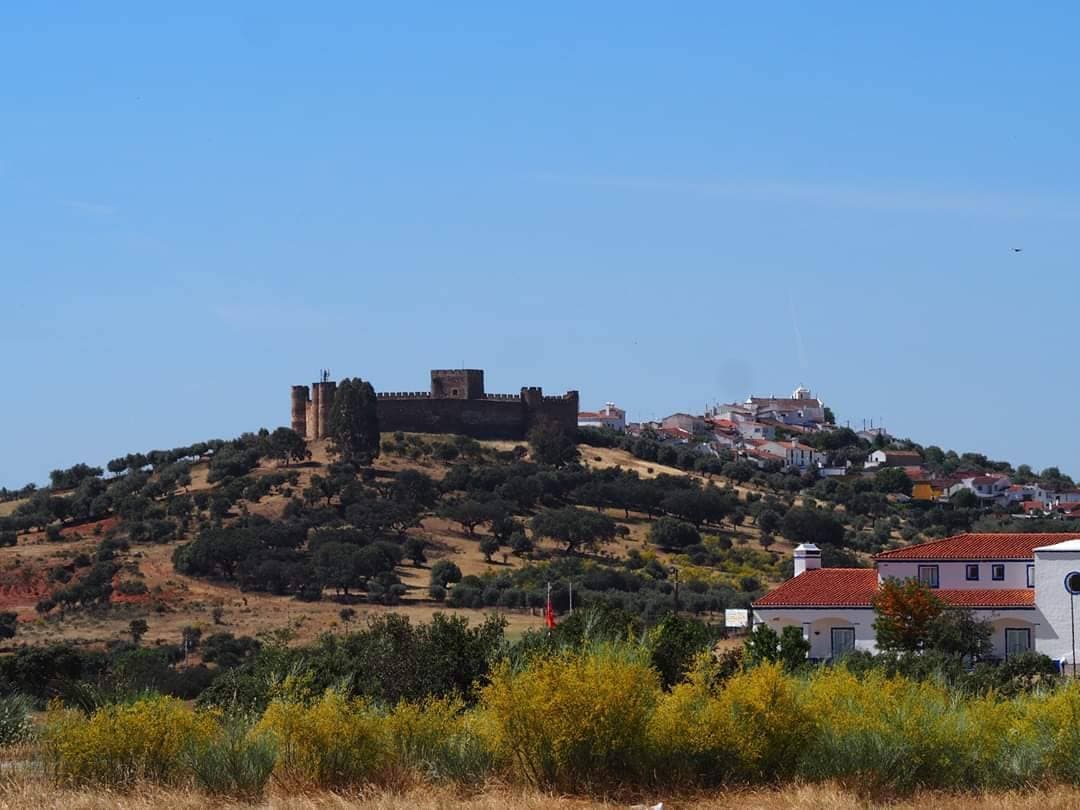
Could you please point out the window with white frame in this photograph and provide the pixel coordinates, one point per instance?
(1031, 576)
(928, 575)
(1017, 640)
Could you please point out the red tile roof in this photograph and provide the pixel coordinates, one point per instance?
(903, 455)
(824, 587)
(977, 546)
(987, 597)
(855, 587)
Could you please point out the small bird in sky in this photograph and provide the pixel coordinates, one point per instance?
(1017, 250)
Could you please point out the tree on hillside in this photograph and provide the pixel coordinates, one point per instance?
(467, 513)
(444, 573)
(802, 525)
(549, 444)
(892, 479)
(768, 521)
(905, 612)
(137, 628)
(287, 445)
(8, 624)
(354, 422)
(577, 528)
(671, 533)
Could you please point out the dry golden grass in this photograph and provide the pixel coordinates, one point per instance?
(30, 793)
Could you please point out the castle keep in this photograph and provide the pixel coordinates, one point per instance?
(456, 403)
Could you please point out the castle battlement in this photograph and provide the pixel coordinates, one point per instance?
(456, 403)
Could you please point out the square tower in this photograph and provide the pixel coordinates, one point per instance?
(460, 383)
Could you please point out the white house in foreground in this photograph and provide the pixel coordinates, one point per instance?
(1022, 584)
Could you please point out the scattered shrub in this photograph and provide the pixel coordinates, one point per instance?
(335, 742)
(118, 745)
(573, 721)
(15, 723)
(235, 762)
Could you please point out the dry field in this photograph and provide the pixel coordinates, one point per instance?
(26, 793)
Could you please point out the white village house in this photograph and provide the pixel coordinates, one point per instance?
(608, 417)
(1019, 583)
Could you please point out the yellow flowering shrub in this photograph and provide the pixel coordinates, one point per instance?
(1051, 724)
(573, 719)
(437, 739)
(120, 744)
(333, 742)
(891, 733)
(752, 728)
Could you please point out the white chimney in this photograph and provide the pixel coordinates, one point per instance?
(807, 558)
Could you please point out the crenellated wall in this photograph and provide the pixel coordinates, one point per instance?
(456, 403)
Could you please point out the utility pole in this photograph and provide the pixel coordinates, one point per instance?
(675, 572)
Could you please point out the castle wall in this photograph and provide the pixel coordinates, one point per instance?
(480, 418)
(456, 403)
(563, 410)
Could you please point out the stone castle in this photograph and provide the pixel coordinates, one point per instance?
(457, 403)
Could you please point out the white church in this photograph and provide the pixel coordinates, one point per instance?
(1024, 585)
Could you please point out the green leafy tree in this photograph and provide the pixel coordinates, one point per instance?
(287, 445)
(671, 533)
(8, 624)
(549, 444)
(577, 528)
(488, 547)
(803, 525)
(414, 550)
(762, 645)
(768, 521)
(467, 513)
(137, 628)
(445, 573)
(958, 632)
(893, 480)
(354, 422)
(794, 648)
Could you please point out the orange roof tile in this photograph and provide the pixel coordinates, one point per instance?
(987, 597)
(977, 546)
(824, 587)
(855, 587)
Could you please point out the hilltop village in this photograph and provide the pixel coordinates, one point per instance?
(799, 433)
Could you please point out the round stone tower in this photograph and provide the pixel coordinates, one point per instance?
(299, 409)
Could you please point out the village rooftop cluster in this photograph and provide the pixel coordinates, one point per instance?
(766, 431)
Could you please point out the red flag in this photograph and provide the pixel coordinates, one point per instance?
(549, 615)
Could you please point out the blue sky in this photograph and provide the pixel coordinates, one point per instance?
(663, 206)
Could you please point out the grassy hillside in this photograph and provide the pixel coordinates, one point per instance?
(173, 601)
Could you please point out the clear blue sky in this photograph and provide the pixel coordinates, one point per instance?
(662, 206)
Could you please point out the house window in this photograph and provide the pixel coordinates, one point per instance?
(843, 640)
(972, 572)
(928, 575)
(1031, 576)
(997, 572)
(1017, 640)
